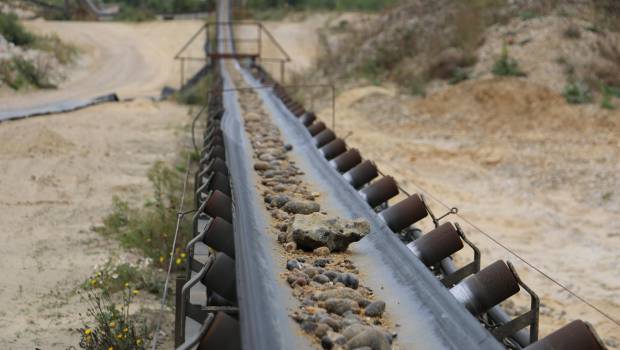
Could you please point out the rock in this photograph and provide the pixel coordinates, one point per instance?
(317, 230)
(332, 274)
(321, 330)
(326, 343)
(353, 330)
(340, 306)
(348, 280)
(311, 271)
(375, 309)
(321, 262)
(293, 264)
(261, 166)
(308, 326)
(370, 337)
(321, 251)
(279, 188)
(340, 293)
(332, 322)
(279, 200)
(290, 247)
(336, 338)
(288, 147)
(322, 279)
(363, 348)
(299, 207)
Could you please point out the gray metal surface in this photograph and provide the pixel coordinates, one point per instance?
(55, 107)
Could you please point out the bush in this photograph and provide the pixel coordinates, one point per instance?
(608, 94)
(113, 327)
(577, 93)
(458, 75)
(64, 53)
(507, 66)
(112, 278)
(196, 94)
(18, 73)
(13, 31)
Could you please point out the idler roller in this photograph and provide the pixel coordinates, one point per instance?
(220, 182)
(216, 151)
(316, 128)
(220, 236)
(219, 204)
(324, 137)
(577, 335)
(404, 213)
(334, 148)
(216, 165)
(380, 191)
(223, 334)
(437, 245)
(307, 119)
(489, 287)
(347, 160)
(220, 278)
(361, 174)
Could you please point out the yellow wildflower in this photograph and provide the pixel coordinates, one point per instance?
(93, 282)
(139, 342)
(125, 330)
(126, 284)
(112, 324)
(88, 331)
(178, 261)
(135, 292)
(161, 259)
(119, 336)
(183, 255)
(111, 348)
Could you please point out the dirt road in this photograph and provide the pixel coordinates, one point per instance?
(131, 59)
(58, 173)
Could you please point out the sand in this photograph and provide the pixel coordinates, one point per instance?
(58, 174)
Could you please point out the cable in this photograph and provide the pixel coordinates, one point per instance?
(180, 215)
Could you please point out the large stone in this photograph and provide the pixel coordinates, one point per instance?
(319, 230)
(340, 306)
(372, 338)
(301, 207)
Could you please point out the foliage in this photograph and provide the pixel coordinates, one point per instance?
(608, 94)
(65, 53)
(113, 277)
(528, 15)
(19, 73)
(577, 93)
(340, 5)
(506, 66)
(196, 94)
(112, 326)
(150, 228)
(458, 75)
(13, 31)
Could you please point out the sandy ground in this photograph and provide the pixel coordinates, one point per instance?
(536, 173)
(58, 173)
(131, 59)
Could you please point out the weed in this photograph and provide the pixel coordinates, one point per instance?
(507, 66)
(417, 86)
(572, 32)
(577, 93)
(196, 94)
(150, 229)
(458, 75)
(112, 327)
(64, 53)
(113, 277)
(13, 31)
(18, 73)
(528, 15)
(606, 102)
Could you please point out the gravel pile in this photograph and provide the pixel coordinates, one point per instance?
(336, 309)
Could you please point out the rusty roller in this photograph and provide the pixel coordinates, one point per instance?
(404, 213)
(219, 204)
(437, 245)
(334, 148)
(380, 191)
(324, 137)
(307, 119)
(487, 288)
(361, 174)
(316, 128)
(298, 109)
(220, 278)
(220, 182)
(346, 161)
(215, 165)
(223, 334)
(577, 335)
(220, 236)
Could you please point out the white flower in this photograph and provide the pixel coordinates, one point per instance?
(114, 276)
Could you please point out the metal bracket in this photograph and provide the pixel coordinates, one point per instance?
(529, 318)
(469, 269)
(453, 210)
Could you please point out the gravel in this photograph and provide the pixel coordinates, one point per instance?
(319, 230)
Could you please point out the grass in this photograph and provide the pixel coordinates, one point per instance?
(113, 277)
(13, 31)
(577, 93)
(19, 73)
(458, 75)
(506, 66)
(608, 94)
(197, 94)
(112, 326)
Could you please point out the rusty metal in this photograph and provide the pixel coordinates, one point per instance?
(218, 204)
(333, 149)
(489, 287)
(361, 174)
(577, 335)
(347, 160)
(223, 334)
(404, 213)
(437, 245)
(324, 137)
(380, 191)
(316, 128)
(220, 236)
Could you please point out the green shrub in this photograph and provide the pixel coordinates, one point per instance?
(13, 31)
(527, 15)
(112, 326)
(196, 94)
(608, 94)
(64, 53)
(506, 66)
(19, 73)
(577, 93)
(112, 278)
(458, 75)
